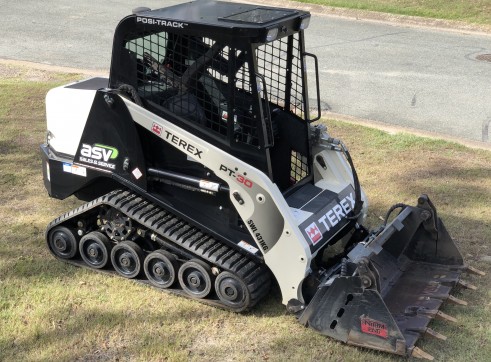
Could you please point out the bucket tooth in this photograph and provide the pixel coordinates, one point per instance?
(445, 317)
(419, 353)
(466, 285)
(472, 270)
(457, 301)
(430, 332)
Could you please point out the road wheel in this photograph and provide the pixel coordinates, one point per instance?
(195, 278)
(160, 268)
(63, 242)
(95, 249)
(127, 259)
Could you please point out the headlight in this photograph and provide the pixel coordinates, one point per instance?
(304, 24)
(272, 34)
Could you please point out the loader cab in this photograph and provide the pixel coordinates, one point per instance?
(233, 74)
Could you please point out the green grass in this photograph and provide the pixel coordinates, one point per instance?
(472, 11)
(50, 311)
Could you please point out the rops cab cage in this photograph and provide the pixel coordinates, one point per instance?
(228, 83)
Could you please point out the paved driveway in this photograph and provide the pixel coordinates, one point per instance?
(418, 78)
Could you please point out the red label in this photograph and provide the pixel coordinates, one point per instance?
(157, 128)
(313, 233)
(371, 326)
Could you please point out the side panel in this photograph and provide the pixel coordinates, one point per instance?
(61, 177)
(258, 201)
(334, 173)
(67, 109)
(110, 140)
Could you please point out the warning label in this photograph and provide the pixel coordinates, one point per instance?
(371, 326)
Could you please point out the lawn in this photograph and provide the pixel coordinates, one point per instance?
(472, 11)
(50, 311)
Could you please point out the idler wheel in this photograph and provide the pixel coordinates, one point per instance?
(63, 242)
(232, 291)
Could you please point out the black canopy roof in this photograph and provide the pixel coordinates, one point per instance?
(224, 14)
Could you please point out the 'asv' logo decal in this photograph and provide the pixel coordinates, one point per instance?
(99, 155)
(313, 233)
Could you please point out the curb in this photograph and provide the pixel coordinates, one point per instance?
(394, 129)
(53, 68)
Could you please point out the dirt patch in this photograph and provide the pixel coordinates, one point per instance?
(9, 72)
(25, 73)
(40, 72)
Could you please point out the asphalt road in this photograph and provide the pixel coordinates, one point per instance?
(418, 78)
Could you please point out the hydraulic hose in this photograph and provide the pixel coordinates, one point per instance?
(131, 91)
(392, 208)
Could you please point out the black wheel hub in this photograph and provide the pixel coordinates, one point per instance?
(94, 251)
(231, 292)
(161, 271)
(60, 243)
(127, 262)
(195, 280)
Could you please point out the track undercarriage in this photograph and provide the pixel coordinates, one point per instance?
(122, 233)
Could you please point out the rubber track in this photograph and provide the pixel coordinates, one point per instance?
(255, 275)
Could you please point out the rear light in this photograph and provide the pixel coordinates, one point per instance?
(47, 171)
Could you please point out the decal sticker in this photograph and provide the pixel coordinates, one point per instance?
(313, 233)
(248, 247)
(186, 146)
(300, 215)
(168, 23)
(230, 172)
(240, 178)
(99, 155)
(326, 222)
(371, 326)
(157, 128)
(257, 235)
(193, 152)
(208, 185)
(74, 169)
(338, 212)
(191, 159)
(137, 173)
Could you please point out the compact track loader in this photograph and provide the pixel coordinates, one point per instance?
(204, 176)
